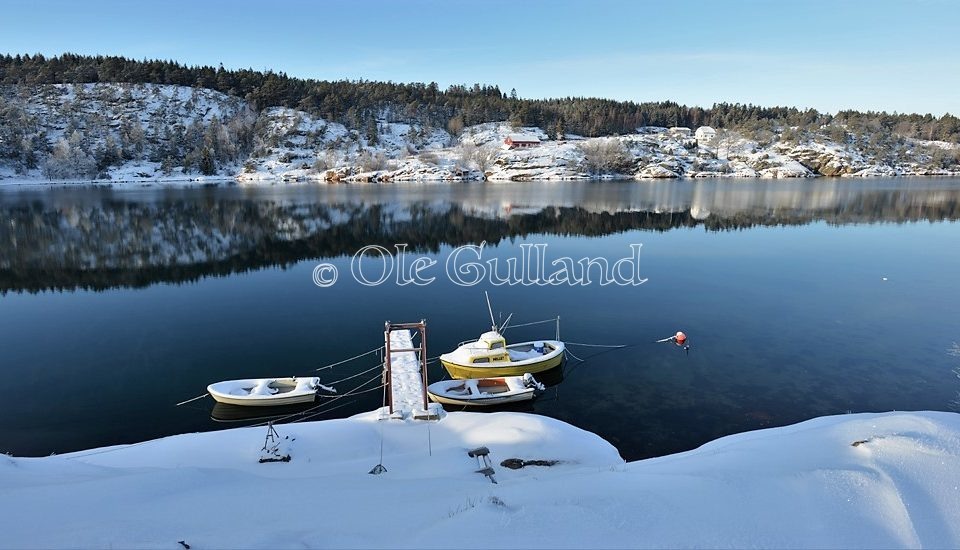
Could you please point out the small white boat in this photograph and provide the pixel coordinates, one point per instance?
(485, 391)
(267, 392)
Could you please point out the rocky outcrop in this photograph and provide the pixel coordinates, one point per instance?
(825, 162)
(655, 171)
(789, 170)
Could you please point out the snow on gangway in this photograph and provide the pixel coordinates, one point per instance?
(405, 373)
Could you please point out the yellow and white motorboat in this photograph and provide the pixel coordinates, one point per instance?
(490, 356)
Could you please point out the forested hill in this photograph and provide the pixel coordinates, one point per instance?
(358, 104)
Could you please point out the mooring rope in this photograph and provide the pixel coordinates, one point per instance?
(554, 320)
(318, 413)
(596, 345)
(356, 375)
(201, 396)
(330, 366)
(350, 393)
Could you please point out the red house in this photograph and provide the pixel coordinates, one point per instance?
(516, 141)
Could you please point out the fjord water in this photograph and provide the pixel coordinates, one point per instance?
(800, 298)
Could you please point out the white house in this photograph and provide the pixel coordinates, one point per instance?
(705, 135)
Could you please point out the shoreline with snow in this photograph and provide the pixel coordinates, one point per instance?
(264, 181)
(123, 134)
(864, 480)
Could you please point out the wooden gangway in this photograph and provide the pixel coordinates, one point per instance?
(405, 372)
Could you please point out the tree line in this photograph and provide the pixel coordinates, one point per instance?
(356, 103)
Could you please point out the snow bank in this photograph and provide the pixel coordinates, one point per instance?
(867, 480)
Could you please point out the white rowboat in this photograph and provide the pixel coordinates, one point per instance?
(485, 391)
(267, 392)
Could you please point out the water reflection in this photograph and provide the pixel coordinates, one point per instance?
(102, 238)
(223, 412)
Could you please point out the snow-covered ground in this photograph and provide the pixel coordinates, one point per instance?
(855, 481)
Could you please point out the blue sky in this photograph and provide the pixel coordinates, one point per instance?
(830, 55)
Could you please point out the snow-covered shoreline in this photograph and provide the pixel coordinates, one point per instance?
(853, 481)
(133, 135)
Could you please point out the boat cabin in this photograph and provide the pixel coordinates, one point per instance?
(492, 340)
(489, 348)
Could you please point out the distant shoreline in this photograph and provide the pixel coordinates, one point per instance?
(231, 181)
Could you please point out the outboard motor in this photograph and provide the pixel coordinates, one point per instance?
(530, 382)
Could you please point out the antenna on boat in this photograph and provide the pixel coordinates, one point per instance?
(505, 323)
(493, 321)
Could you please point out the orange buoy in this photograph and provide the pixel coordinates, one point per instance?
(680, 338)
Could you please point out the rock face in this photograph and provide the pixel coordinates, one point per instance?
(826, 162)
(655, 171)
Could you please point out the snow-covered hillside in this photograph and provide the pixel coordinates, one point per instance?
(146, 133)
(294, 146)
(79, 132)
(855, 481)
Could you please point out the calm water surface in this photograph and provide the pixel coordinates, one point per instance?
(801, 299)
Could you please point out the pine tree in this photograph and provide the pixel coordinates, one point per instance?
(372, 132)
(166, 166)
(206, 165)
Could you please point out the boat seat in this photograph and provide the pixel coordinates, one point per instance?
(263, 388)
(306, 384)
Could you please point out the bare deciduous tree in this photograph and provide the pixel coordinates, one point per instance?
(605, 156)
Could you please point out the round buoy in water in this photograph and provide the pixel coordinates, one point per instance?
(680, 338)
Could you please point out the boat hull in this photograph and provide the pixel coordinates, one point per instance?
(501, 391)
(460, 370)
(480, 402)
(286, 391)
(264, 402)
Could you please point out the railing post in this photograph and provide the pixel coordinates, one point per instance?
(387, 365)
(423, 361)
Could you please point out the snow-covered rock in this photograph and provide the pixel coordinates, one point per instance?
(656, 171)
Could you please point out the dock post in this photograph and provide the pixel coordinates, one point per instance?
(386, 365)
(423, 360)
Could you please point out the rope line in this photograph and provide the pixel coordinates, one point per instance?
(554, 320)
(328, 410)
(330, 366)
(596, 345)
(324, 404)
(356, 375)
(201, 396)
